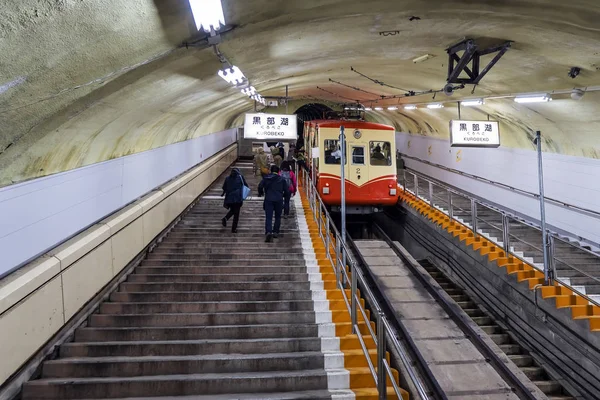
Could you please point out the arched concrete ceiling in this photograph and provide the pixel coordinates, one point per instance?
(83, 81)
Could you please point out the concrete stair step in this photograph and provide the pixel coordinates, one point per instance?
(212, 286)
(204, 319)
(211, 306)
(219, 250)
(216, 263)
(521, 360)
(296, 395)
(218, 278)
(534, 373)
(190, 347)
(226, 239)
(178, 385)
(216, 296)
(182, 365)
(218, 270)
(511, 349)
(548, 387)
(282, 255)
(90, 334)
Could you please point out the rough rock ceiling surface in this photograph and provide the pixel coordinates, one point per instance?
(82, 81)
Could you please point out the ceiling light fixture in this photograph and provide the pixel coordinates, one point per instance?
(208, 14)
(232, 75)
(378, 108)
(368, 109)
(436, 105)
(533, 99)
(249, 91)
(411, 107)
(392, 108)
(470, 103)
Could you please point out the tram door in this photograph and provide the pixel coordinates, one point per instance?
(358, 172)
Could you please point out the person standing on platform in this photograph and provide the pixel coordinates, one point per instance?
(234, 197)
(277, 159)
(291, 182)
(261, 163)
(274, 188)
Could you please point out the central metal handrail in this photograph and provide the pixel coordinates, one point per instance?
(341, 258)
(506, 242)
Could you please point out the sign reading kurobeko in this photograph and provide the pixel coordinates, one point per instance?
(270, 126)
(474, 134)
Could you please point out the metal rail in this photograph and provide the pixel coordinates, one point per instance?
(452, 310)
(354, 279)
(593, 213)
(506, 241)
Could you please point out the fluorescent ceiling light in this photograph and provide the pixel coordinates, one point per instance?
(232, 75)
(533, 99)
(437, 105)
(378, 108)
(410, 107)
(423, 58)
(470, 103)
(368, 109)
(392, 108)
(208, 14)
(249, 91)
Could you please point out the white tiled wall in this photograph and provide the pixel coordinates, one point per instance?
(573, 180)
(39, 214)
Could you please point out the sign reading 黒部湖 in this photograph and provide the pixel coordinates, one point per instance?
(474, 133)
(270, 126)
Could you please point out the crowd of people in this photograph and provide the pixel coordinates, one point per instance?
(278, 185)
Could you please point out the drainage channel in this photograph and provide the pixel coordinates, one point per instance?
(499, 335)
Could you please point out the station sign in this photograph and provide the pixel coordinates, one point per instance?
(474, 133)
(270, 126)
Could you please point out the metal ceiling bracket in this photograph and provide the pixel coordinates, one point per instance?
(469, 61)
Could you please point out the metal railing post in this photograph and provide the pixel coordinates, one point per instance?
(506, 233)
(381, 372)
(404, 180)
(353, 303)
(474, 216)
(416, 181)
(551, 260)
(338, 266)
(430, 194)
(327, 238)
(450, 207)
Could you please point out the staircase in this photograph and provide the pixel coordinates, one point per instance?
(209, 315)
(574, 265)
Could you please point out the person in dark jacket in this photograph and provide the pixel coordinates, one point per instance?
(274, 188)
(234, 199)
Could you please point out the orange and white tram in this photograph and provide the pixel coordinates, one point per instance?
(370, 170)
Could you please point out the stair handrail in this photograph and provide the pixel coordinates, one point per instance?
(595, 214)
(341, 257)
(506, 234)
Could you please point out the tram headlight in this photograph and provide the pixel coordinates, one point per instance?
(326, 189)
(393, 192)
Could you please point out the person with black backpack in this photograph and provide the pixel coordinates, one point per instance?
(290, 179)
(275, 189)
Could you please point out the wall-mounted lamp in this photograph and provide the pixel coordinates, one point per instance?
(435, 105)
(411, 107)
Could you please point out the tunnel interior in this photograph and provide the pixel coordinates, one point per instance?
(309, 112)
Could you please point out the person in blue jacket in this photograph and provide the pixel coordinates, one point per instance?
(234, 199)
(274, 188)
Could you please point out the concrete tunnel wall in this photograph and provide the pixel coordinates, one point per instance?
(40, 298)
(74, 93)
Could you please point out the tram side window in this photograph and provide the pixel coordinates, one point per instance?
(380, 153)
(333, 153)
